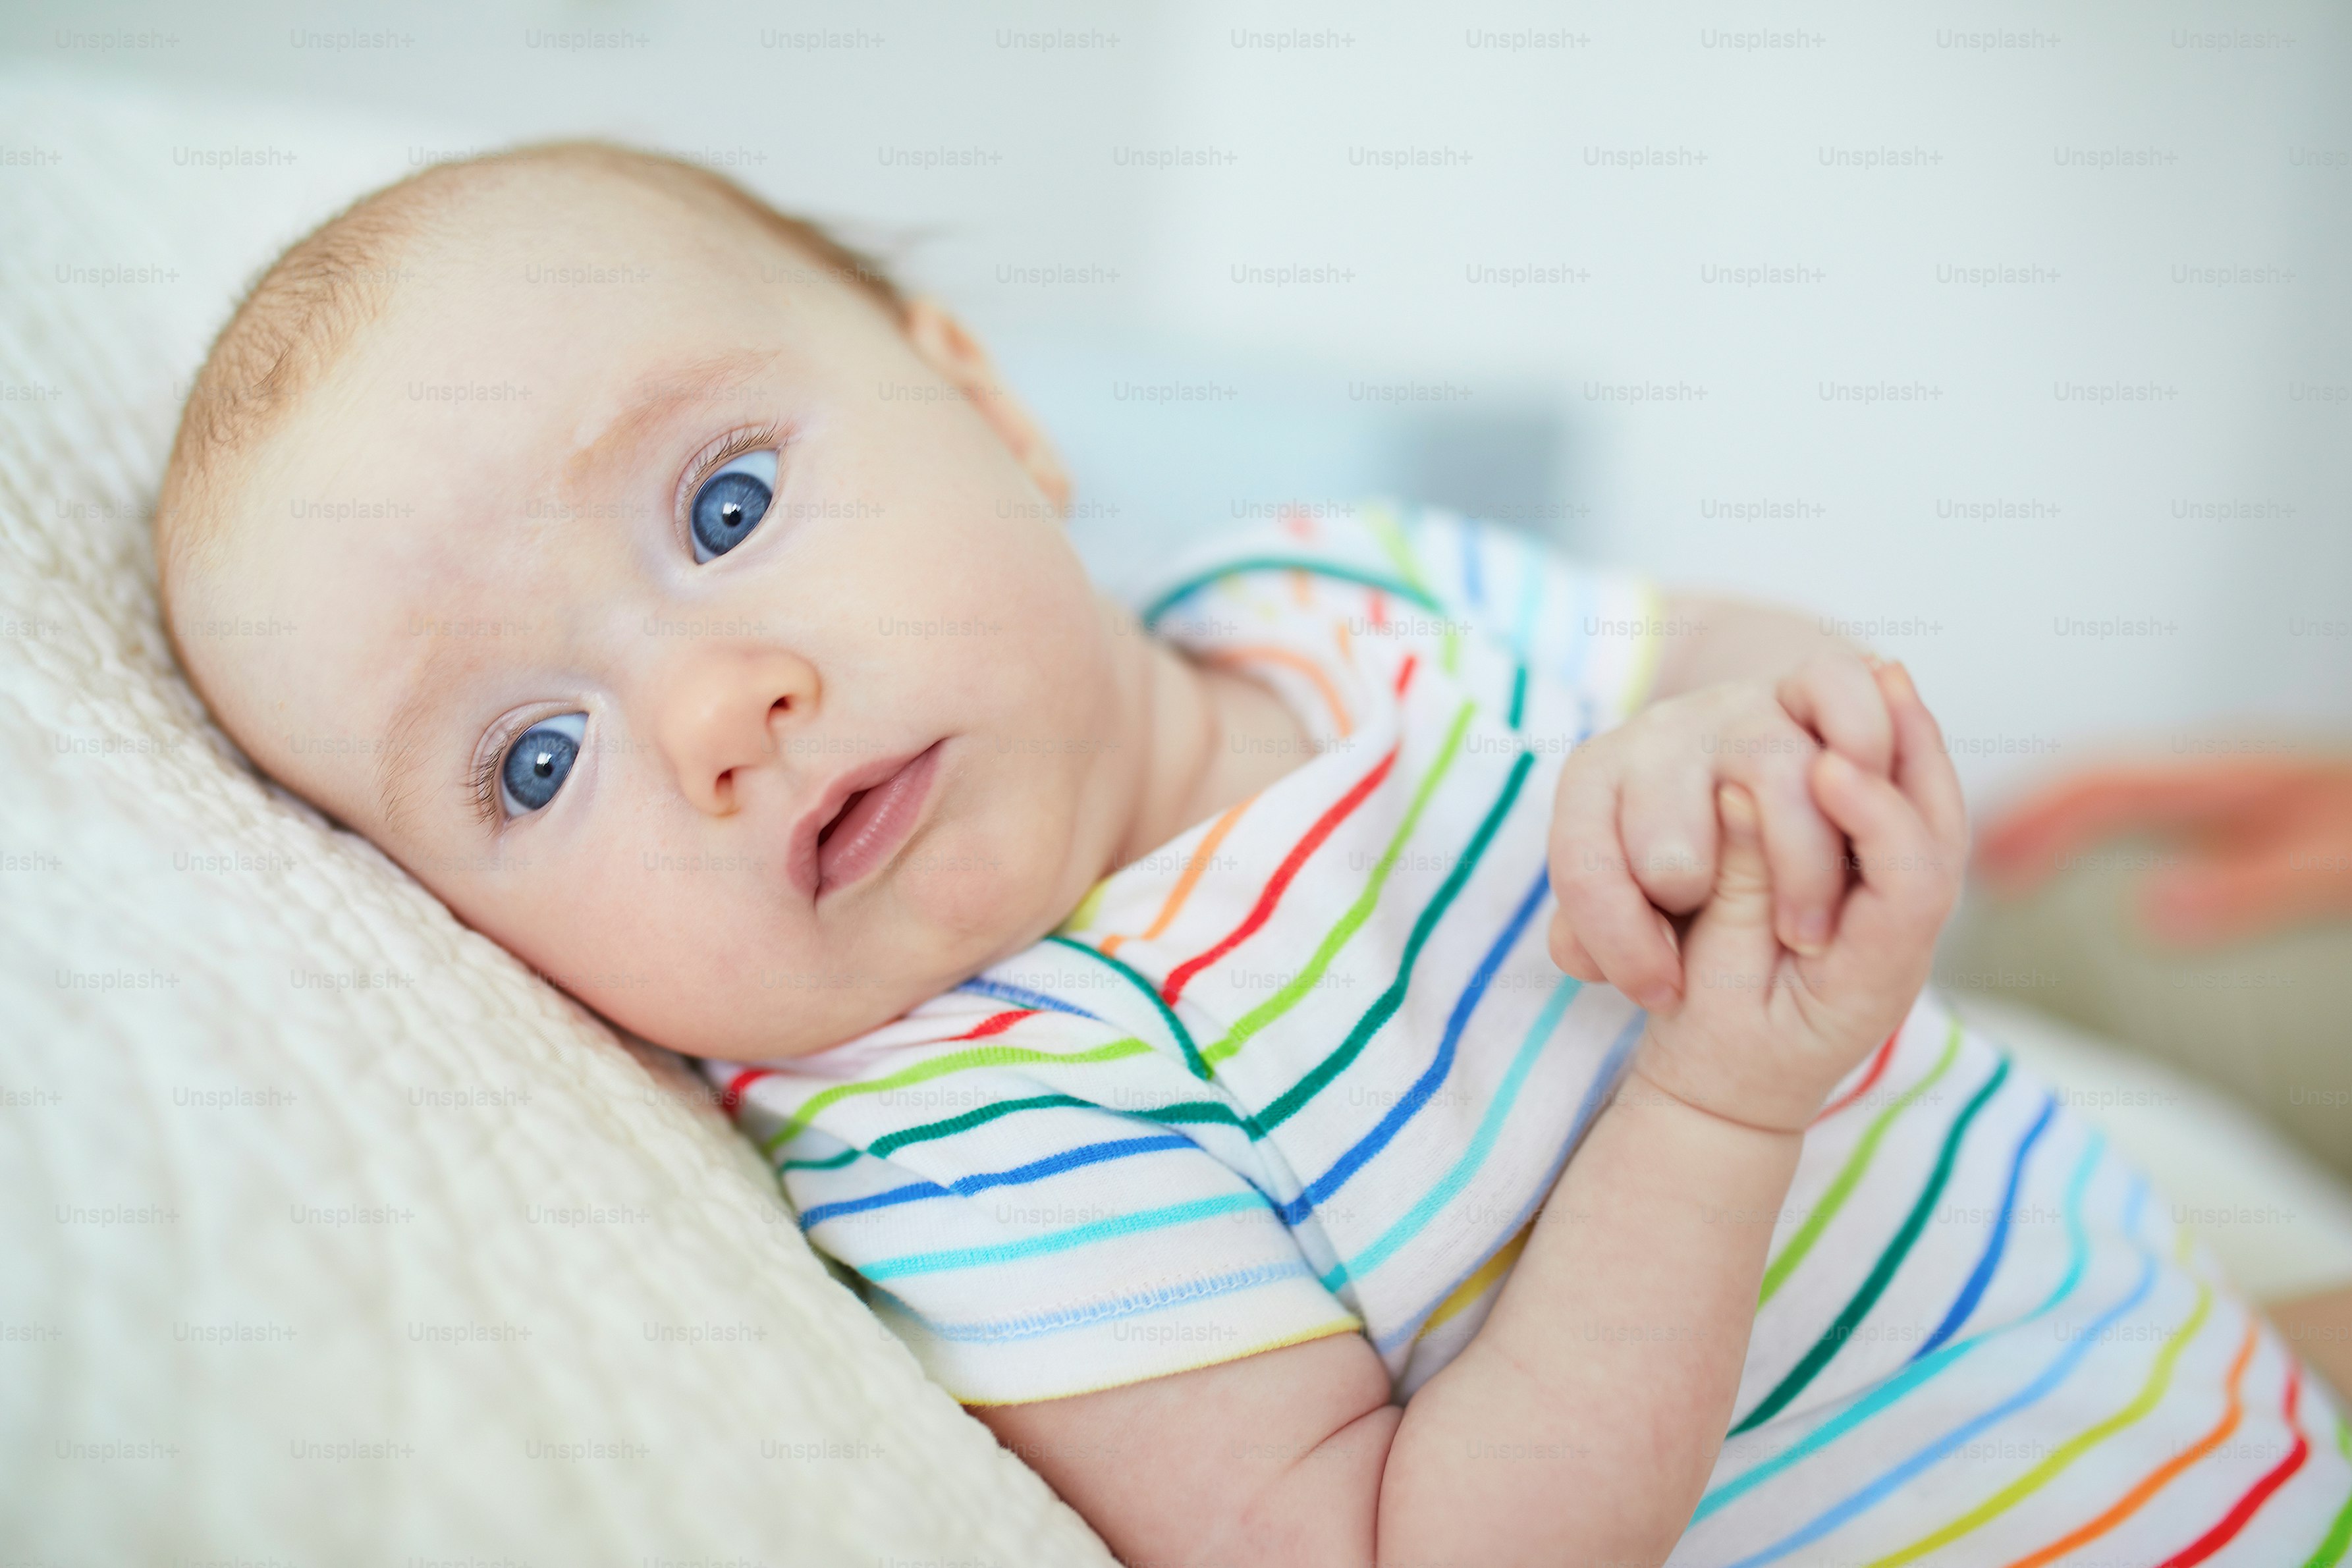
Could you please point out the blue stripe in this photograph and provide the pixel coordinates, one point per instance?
(1482, 1143)
(1295, 1211)
(1974, 1289)
(1134, 1224)
(2078, 1241)
(965, 1186)
(1583, 603)
(1605, 1080)
(2056, 1373)
(1530, 592)
(1022, 997)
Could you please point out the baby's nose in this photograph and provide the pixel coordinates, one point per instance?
(718, 717)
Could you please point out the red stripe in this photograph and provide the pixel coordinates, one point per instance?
(740, 1082)
(2221, 1534)
(996, 1025)
(1878, 1070)
(1405, 674)
(1322, 829)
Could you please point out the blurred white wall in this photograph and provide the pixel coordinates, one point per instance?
(2017, 335)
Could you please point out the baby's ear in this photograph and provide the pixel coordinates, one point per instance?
(952, 350)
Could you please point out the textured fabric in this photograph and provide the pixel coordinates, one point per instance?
(1307, 1070)
(332, 1235)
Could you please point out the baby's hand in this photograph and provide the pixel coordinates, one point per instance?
(1633, 816)
(1763, 1034)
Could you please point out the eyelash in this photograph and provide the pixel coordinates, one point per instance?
(482, 781)
(725, 450)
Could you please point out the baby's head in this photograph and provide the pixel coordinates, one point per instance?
(612, 529)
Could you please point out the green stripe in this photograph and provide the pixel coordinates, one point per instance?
(1850, 1175)
(830, 1163)
(1283, 1000)
(1198, 580)
(1176, 1026)
(2331, 1547)
(1840, 1331)
(939, 1067)
(1182, 1112)
(1295, 1099)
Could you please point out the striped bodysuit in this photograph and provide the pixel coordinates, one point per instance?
(1308, 1070)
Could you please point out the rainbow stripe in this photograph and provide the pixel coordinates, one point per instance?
(1309, 1070)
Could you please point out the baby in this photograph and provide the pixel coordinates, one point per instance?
(1180, 1016)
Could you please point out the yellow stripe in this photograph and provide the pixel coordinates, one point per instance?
(1646, 653)
(1084, 915)
(1475, 1286)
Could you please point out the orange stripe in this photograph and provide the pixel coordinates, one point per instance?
(2134, 1498)
(1261, 653)
(1185, 883)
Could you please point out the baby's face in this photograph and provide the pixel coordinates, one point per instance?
(615, 556)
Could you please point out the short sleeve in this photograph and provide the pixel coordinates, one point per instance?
(1024, 1239)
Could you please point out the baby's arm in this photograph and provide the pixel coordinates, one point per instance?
(1586, 1414)
(1571, 1420)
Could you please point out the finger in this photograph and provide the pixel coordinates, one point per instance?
(1833, 695)
(1805, 851)
(1669, 836)
(1923, 764)
(1631, 943)
(1731, 942)
(1908, 881)
(1569, 953)
(2021, 845)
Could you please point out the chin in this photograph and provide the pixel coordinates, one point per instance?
(975, 893)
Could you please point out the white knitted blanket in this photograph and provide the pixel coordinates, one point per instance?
(328, 1233)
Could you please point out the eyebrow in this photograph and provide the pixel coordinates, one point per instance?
(656, 397)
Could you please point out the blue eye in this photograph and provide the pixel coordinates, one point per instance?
(538, 761)
(731, 502)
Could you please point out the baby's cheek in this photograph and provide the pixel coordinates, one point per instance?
(966, 887)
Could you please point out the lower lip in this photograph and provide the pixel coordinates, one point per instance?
(876, 824)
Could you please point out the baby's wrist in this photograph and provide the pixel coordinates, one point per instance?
(1644, 1090)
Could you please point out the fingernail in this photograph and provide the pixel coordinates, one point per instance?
(1904, 676)
(1835, 764)
(1813, 931)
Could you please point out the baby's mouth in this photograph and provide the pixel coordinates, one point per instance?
(826, 832)
(876, 811)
